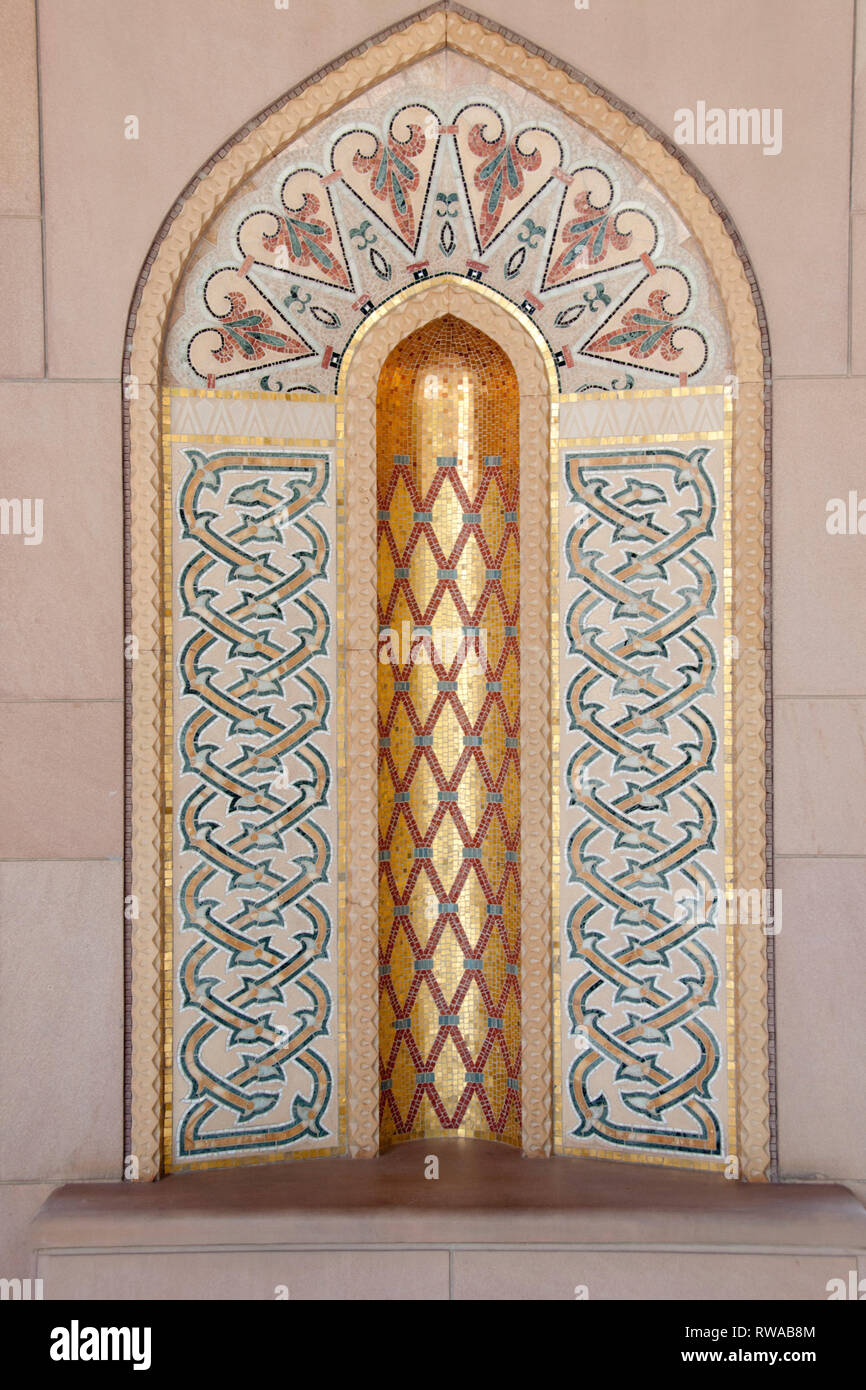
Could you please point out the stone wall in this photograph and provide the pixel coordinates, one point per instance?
(79, 205)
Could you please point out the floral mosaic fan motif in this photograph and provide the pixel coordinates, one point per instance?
(471, 192)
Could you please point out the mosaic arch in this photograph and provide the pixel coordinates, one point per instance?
(444, 171)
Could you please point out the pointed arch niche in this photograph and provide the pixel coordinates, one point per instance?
(446, 172)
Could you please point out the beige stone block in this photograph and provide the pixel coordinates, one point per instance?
(820, 790)
(858, 182)
(818, 577)
(19, 110)
(162, 63)
(61, 768)
(306, 1276)
(21, 345)
(788, 54)
(61, 999)
(858, 294)
(19, 1203)
(595, 1275)
(61, 991)
(820, 1021)
(62, 636)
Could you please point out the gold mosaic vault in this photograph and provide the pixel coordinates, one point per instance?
(449, 701)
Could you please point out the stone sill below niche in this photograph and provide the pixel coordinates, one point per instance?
(486, 1194)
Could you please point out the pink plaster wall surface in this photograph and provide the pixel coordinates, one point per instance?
(80, 203)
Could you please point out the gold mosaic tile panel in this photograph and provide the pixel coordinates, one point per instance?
(448, 696)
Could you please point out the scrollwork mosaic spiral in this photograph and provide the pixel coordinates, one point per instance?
(646, 997)
(422, 183)
(254, 931)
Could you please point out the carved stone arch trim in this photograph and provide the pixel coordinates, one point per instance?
(439, 27)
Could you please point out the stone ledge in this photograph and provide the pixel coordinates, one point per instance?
(485, 1196)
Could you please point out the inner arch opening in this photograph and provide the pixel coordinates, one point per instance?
(448, 578)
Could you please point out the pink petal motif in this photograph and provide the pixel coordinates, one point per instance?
(646, 328)
(643, 332)
(591, 235)
(502, 173)
(304, 238)
(249, 332)
(392, 176)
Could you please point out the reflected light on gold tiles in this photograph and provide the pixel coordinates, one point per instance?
(449, 788)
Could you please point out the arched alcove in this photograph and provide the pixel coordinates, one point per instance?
(448, 497)
(513, 196)
(414, 310)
